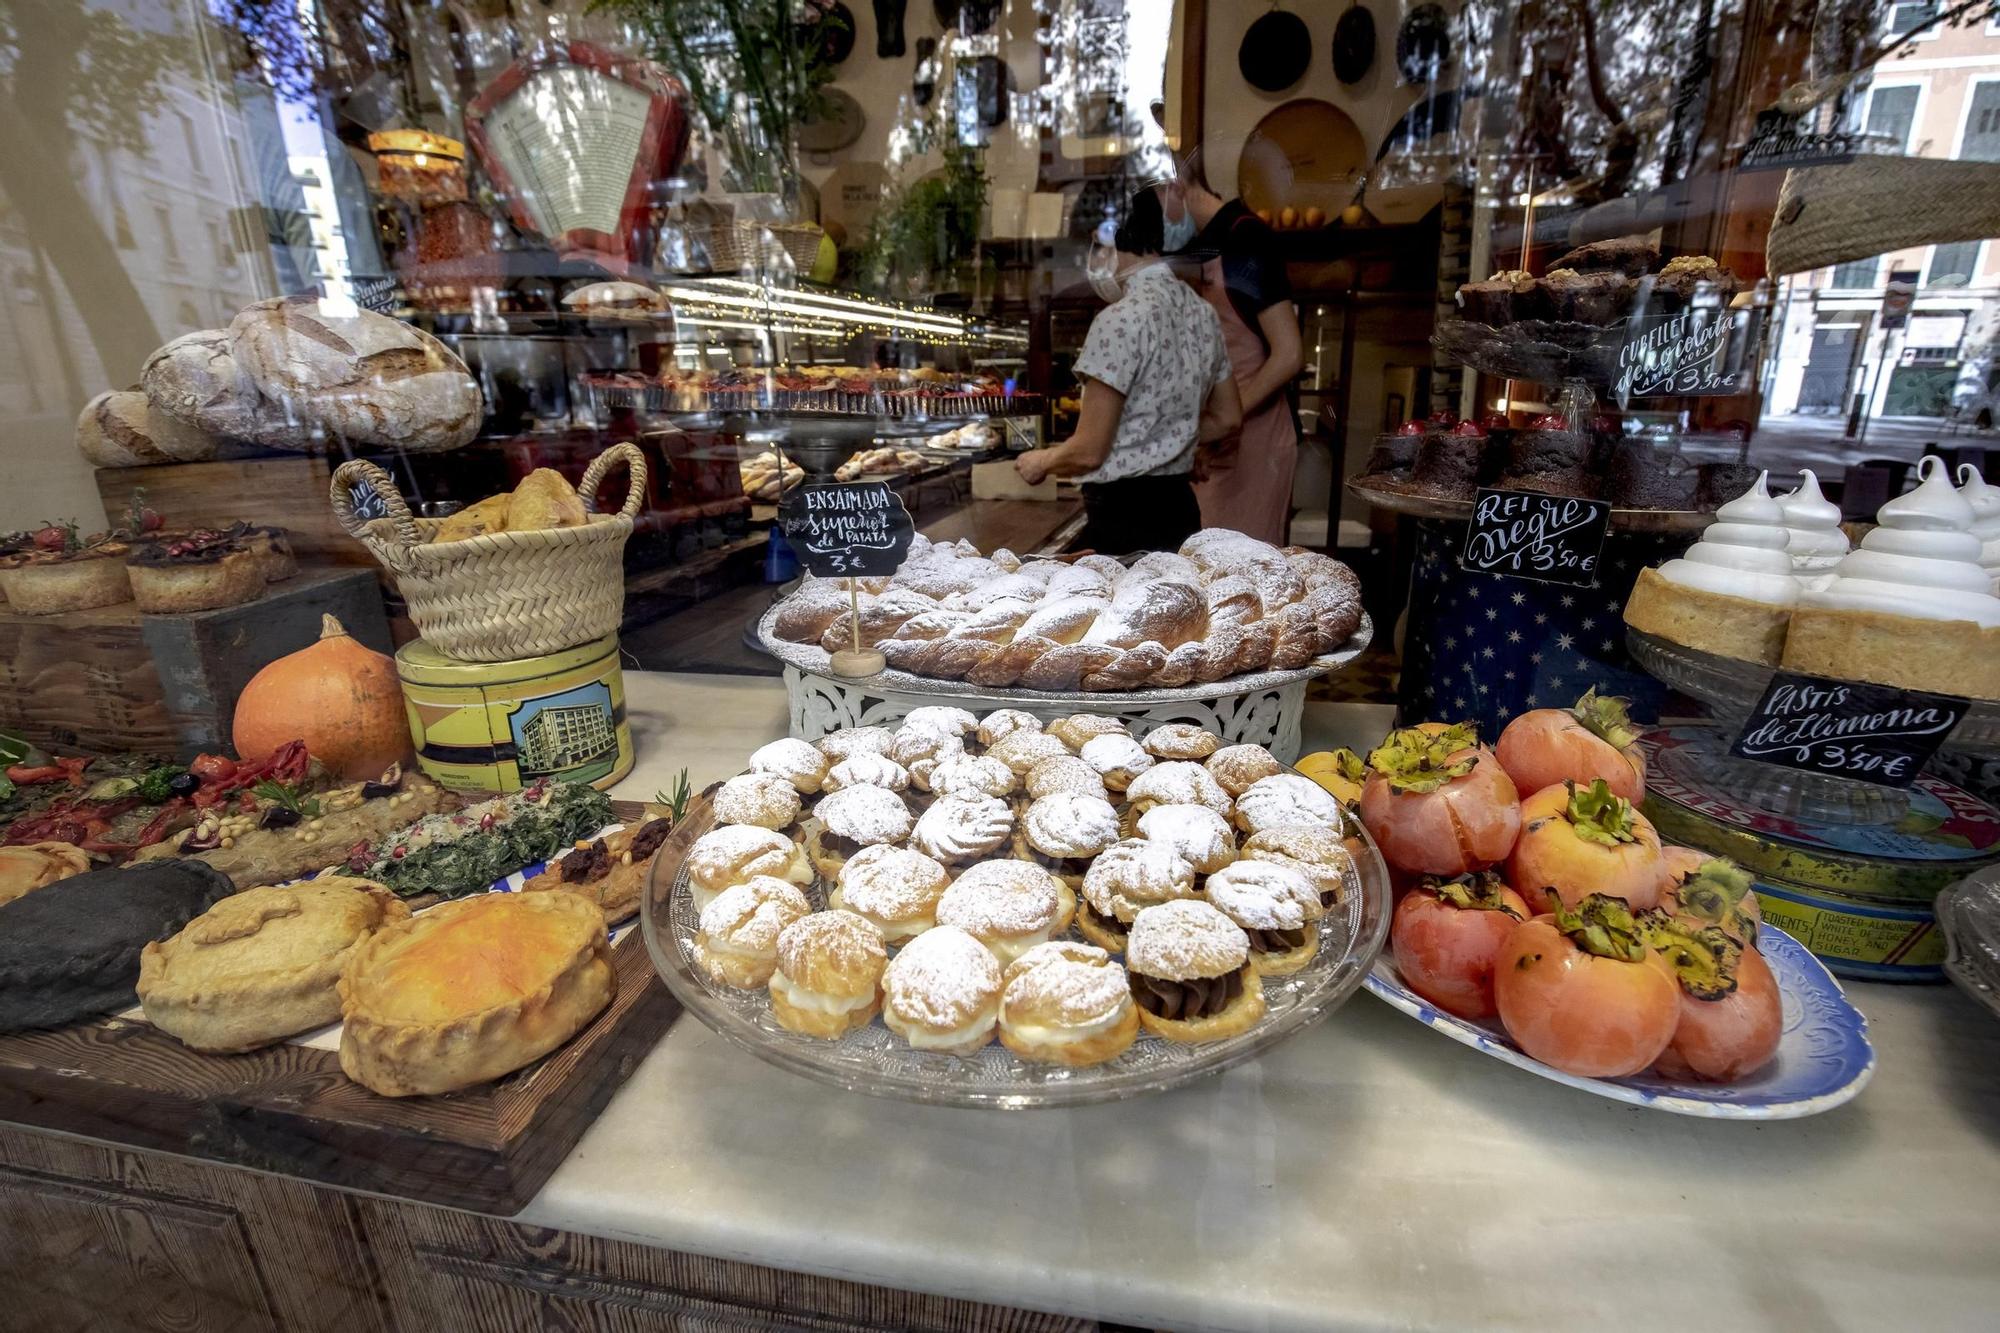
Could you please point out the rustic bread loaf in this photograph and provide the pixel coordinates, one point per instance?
(122, 429)
(361, 377)
(195, 380)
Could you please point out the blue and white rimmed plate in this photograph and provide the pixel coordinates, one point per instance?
(1824, 1059)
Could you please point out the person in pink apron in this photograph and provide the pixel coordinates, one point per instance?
(1243, 277)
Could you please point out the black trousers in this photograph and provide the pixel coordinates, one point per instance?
(1138, 514)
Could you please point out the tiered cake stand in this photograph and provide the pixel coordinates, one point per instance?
(1264, 708)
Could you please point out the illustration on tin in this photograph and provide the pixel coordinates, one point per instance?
(572, 735)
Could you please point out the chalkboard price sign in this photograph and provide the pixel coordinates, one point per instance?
(1529, 535)
(1870, 733)
(847, 529)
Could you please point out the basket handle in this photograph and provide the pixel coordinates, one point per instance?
(635, 486)
(341, 491)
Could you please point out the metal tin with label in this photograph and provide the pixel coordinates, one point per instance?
(1872, 941)
(498, 726)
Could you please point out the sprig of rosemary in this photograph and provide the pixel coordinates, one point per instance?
(287, 797)
(676, 799)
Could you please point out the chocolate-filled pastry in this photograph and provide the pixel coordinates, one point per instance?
(1315, 851)
(1277, 907)
(853, 818)
(1064, 832)
(71, 950)
(1124, 879)
(1192, 977)
(1065, 1003)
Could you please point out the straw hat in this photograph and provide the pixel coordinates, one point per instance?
(1876, 204)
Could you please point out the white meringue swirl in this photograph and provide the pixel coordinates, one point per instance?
(1742, 554)
(1985, 502)
(1816, 542)
(1922, 562)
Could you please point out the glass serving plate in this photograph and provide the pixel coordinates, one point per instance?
(875, 1061)
(1731, 688)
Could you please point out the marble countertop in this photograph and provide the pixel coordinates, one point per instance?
(1364, 1175)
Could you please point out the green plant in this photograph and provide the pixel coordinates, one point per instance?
(676, 800)
(287, 797)
(924, 229)
(753, 68)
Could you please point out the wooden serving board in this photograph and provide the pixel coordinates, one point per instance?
(288, 1109)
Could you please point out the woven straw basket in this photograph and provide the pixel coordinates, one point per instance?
(1876, 204)
(502, 595)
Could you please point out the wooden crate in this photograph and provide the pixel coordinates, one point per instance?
(113, 679)
(289, 491)
(290, 1110)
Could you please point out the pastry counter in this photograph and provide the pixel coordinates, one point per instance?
(1361, 1175)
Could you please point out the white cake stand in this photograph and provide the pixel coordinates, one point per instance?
(1263, 708)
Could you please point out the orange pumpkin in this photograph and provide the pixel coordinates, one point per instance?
(340, 697)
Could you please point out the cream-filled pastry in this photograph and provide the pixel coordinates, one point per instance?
(1076, 730)
(1191, 973)
(1022, 750)
(1236, 768)
(737, 944)
(1064, 773)
(763, 799)
(1181, 740)
(1316, 851)
(1064, 832)
(942, 992)
(1001, 723)
(1176, 782)
(828, 980)
(972, 775)
(796, 761)
(961, 828)
(1118, 759)
(1196, 833)
(1287, 798)
(1275, 906)
(839, 745)
(1063, 1003)
(738, 853)
(1008, 906)
(895, 888)
(853, 818)
(942, 718)
(1125, 878)
(868, 770)
(921, 749)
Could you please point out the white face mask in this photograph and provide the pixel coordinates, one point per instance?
(1177, 233)
(1100, 269)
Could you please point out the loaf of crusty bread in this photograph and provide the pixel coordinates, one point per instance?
(359, 377)
(195, 380)
(1224, 605)
(122, 429)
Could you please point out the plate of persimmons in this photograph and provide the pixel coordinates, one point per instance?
(1540, 920)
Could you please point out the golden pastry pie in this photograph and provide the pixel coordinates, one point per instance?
(262, 965)
(472, 990)
(38, 865)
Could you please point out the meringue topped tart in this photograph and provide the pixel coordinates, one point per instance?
(1815, 542)
(1911, 606)
(1985, 502)
(1732, 594)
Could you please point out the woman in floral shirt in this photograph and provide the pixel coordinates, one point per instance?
(1157, 389)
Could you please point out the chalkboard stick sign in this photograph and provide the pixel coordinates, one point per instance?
(1530, 535)
(1869, 733)
(850, 530)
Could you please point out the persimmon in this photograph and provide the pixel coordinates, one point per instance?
(1731, 1016)
(1446, 934)
(1578, 840)
(1437, 802)
(1715, 891)
(1593, 740)
(1581, 991)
